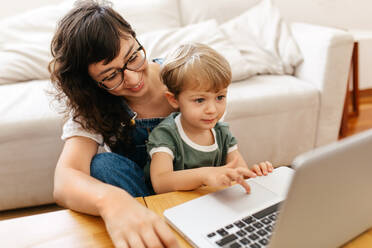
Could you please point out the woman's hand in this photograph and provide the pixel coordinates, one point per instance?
(130, 224)
(263, 168)
(225, 175)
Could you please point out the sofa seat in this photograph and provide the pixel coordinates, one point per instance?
(275, 103)
(31, 130)
(30, 144)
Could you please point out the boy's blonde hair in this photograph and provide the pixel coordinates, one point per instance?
(195, 66)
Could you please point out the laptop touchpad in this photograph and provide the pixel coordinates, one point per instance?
(222, 206)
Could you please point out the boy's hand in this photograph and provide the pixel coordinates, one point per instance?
(262, 168)
(225, 175)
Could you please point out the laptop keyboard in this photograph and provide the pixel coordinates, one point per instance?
(253, 231)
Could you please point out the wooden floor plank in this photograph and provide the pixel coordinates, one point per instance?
(363, 121)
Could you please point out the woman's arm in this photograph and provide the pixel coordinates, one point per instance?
(128, 223)
(73, 186)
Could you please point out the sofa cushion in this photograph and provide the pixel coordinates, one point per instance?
(160, 43)
(273, 117)
(149, 15)
(264, 39)
(266, 94)
(27, 101)
(25, 38)
(194, 11)
(25, 43)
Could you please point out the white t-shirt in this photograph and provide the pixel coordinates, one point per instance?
(72, 128)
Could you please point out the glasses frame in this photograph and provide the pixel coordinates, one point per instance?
(121, 70)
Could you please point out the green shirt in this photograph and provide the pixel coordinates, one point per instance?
(169, 137)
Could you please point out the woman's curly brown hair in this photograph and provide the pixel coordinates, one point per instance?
(89, 33)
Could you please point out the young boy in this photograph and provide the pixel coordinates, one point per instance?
(191, 148)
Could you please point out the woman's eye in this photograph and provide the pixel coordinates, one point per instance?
(133, 58)
(111, 77)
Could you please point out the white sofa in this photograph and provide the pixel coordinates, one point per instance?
(274, 117)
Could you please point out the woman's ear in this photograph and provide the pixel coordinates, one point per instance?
(172, 99)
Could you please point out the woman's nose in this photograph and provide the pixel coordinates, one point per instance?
(131, 77)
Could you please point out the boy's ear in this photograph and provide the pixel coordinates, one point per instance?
(172, 99)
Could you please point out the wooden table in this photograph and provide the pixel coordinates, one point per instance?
(66, 228)
(63, 228)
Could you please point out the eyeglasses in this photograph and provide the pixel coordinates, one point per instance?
(135, 62)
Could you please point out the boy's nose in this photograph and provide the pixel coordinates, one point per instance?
(210, 108)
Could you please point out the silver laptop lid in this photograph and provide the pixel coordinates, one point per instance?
(330, 198)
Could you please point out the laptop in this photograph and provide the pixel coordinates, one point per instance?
(323, 202)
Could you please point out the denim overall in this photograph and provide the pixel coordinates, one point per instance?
(127, 172)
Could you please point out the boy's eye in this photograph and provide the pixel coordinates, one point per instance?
(199, 100)
(221, 97)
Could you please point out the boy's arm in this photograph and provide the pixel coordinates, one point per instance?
(236, 155)
(165, 179)
(260, 169)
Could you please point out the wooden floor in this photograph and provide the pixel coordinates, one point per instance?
(9, 214)
(362, 122)
(356, 124)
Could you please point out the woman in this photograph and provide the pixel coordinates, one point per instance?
(113, 97)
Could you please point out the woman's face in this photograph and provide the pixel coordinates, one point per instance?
(132, 82)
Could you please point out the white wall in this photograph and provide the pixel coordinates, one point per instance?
(350, 14)
(346, 14)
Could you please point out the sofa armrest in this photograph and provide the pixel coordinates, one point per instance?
(327, 57)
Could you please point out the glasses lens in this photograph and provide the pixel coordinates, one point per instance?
(134, 63)
(112, 81)
(136, 60)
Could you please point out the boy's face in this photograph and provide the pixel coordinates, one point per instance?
(201, 109)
